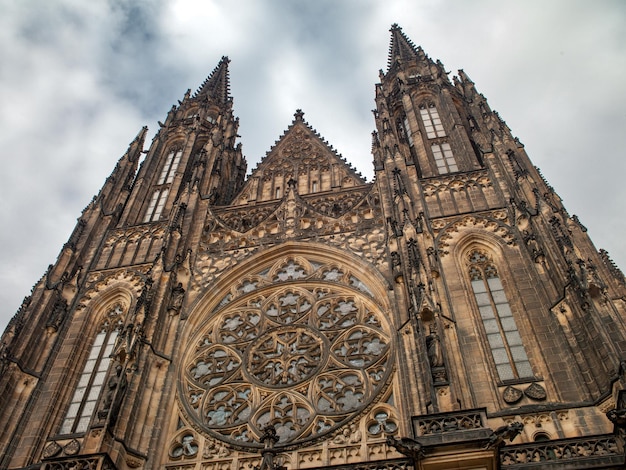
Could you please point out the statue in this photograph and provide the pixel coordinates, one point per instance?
(176, 298)
(435, 354)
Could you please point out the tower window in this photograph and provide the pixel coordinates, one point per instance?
(278, 194)
(407, 131)
(314, 186)
(156, 205)
(432, 121)
(503, 336)
(169, 169)
(92, 378)
(444, 159)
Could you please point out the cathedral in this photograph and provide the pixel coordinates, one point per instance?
(450, 313)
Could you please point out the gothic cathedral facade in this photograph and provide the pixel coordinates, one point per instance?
(449, 314)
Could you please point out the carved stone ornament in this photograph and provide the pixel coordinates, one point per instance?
(536, 392)
(133, 462)
(512, 395)
(53, 449)
(305, 357)
(72, 447)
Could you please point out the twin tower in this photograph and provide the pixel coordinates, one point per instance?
(449, 314)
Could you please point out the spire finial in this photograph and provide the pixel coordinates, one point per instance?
(217, 84)
(401, 47)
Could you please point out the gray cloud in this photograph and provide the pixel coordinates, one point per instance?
(78, 80)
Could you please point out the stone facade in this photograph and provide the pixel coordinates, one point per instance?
(450, 314)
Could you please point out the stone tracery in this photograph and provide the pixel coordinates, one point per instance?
(299, 344)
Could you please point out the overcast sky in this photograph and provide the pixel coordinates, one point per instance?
(79, 78)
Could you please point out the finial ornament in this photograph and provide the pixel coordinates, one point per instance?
(269, 439)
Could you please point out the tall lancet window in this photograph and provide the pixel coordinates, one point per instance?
(159, 196)
(432, 121)
(503, 336)
(171, 164)
(442, 152)
(444, 159)
(92, 377)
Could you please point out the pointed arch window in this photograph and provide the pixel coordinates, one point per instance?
(503, 336)
(171, 164)
(444, 158)
(407, 131)
(157, 202)
(92, 377)
(159, 196)
(432, 121)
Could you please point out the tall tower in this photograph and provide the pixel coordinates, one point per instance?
(450, 314)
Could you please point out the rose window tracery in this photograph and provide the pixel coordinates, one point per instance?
(304, 349)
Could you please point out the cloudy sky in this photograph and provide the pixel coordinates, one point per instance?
(78, 80)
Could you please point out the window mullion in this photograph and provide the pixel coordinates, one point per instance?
(496, 315)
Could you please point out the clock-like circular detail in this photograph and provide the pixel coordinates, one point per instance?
(305, 357)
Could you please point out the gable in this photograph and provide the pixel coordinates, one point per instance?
(300, 159)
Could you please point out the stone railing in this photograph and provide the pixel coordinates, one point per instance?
(449, 422)
(87, 462)
(575, 453)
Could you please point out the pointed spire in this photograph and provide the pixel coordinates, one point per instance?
(401, 47)
(217, 85)
(136, 146)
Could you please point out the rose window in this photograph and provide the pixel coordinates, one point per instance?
(307, 357)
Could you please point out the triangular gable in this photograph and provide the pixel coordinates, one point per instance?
(300, 159)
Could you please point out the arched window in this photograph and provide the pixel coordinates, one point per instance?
(444, 159)
(157, 202)
(503, 336)
(85, 397)
(432, 121)
(159, 196)
(171, 164)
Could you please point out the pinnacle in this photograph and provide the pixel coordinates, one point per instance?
(217, 84)
(401, 47)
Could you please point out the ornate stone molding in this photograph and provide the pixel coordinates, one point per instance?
(596, 451)
(495, 222)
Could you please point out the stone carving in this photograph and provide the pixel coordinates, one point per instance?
(506, 432)
(435, 354)
(101, 462)
(536, 392)
(568, 451)
(617, 417)
(407, 446)
(449, 422)
(98, 282)
(533, 246)
(51, 450)
(299, 345)
(512, 395)
(185, 446)
(114, 394)
(177, 296)
(72, 447)
(383, 423)
(492, 222)
(59, 311)
(348, 435)
(123, 246)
